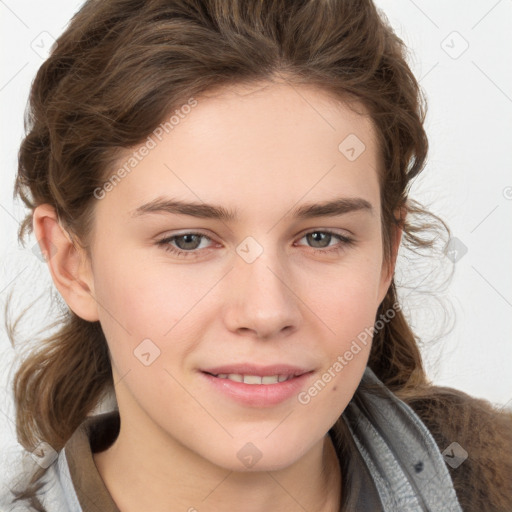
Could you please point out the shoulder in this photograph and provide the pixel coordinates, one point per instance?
(480, 463)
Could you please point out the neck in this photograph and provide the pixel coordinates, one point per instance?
(162, 476)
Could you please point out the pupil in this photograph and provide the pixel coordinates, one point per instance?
(187, 240)
(318, 234)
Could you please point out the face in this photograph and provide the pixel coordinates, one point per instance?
(269, 288)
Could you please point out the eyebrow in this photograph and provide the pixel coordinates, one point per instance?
(332, 208)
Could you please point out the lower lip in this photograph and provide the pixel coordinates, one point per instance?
(258, 395)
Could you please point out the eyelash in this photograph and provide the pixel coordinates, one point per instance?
(346, 241)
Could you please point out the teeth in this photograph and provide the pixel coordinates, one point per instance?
(254, 379)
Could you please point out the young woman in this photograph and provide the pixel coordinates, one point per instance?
(220, 189)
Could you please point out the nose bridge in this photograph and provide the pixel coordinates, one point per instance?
(262, 299)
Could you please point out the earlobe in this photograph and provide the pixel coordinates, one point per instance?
(67, 261)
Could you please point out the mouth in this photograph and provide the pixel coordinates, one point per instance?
(249, 373)
(254, 379)
(257, 386)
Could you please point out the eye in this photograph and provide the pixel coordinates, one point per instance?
(324, 237)
(187, 245)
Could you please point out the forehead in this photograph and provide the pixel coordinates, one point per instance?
(265, 109)
(255, 144)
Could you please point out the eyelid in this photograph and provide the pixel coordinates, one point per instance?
(192, 231)
(335, 231)
(344, 242)
(177, 234)
(165, 240)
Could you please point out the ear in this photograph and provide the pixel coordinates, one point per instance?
(67, 261)
(388, 268)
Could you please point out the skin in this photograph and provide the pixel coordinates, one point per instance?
(179, 437)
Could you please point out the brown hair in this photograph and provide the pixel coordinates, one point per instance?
(122, 66)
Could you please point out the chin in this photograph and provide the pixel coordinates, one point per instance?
(260, 455)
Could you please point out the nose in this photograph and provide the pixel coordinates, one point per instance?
(262, 302)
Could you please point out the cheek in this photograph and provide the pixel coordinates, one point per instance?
(144, 297)
(350, 316)
(346, 305)
(346, 300)
(149, 314)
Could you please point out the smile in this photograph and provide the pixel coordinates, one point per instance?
(254, 379)
(259, 391)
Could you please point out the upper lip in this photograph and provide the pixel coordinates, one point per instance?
(252, 369)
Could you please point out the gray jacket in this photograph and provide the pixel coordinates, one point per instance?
(398, 467)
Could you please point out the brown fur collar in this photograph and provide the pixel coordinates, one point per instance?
(483, 482)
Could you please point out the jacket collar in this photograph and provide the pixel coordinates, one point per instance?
(395, 464)
(95, 434)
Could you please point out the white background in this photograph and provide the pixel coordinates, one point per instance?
(467, 181)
